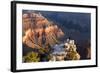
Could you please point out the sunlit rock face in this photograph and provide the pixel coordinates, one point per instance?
(39, 31)
(66, 51)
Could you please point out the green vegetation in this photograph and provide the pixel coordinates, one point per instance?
(32, 57)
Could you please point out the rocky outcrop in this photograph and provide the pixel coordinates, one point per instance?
(39, 31)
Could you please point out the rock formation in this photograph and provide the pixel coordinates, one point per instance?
(39, 31)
